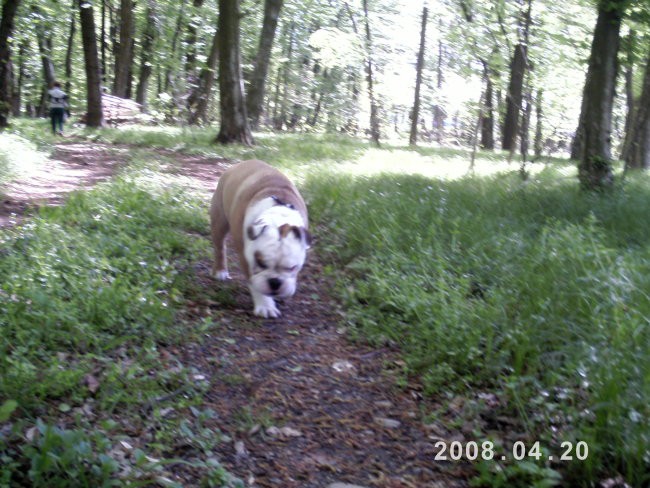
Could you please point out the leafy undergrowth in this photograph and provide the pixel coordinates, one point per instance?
(88, 313)
(526, 304)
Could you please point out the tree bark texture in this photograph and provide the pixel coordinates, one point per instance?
(149, 37)
(44, 40)
(594, 166)
(124, 51)
(487, 124)
(638, 149)
(415, 114)
(69, 49)
(629, 42)
(514, 97)
(9, 8)
(539, 125)
(95, 116)
(234, 120)
(257, 87)
(17, 84)
(374, 108)
(199, 98)
(190, 41)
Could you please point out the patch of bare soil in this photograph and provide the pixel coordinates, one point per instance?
(73, 166)
(304, 406)
(301, 404)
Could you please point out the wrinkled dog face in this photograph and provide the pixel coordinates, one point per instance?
(275, 255)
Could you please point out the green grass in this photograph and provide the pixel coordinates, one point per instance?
(532, 291)
(89, 303)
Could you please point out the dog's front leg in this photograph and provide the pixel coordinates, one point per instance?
(263, 305)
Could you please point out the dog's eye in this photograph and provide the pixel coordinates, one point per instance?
(259, 261)
(291, 269)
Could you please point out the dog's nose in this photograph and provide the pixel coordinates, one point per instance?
(275, 284)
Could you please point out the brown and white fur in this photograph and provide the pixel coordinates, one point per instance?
(268, 222)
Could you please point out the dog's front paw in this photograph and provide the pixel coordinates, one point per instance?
(221, 275)
(264, 306)
(267, 312)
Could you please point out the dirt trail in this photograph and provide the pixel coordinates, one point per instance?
(303, 406)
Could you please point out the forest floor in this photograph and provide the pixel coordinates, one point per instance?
(300, 404)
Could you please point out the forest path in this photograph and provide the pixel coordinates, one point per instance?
(301, 405)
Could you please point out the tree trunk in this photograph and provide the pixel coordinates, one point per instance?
(438, 111)
(234, 120)
(257, 88)
(149, 37)
(539, 143)
(514, 97)
(103, 40)
(44, 39)
(487, 124)
(514, 94)
(374, 108)
(172, 54)
(190, 41)
(9, 8)
(17, 87)
(638, 153)
(199, 99)
(95, 116)
(415, 114)
(594, 167)
(124, 51)
(629, 92)
(68, 52)
(282, 89)
(524, 135)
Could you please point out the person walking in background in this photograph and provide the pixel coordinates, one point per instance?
(58, 105)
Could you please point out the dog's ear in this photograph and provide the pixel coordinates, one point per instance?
(300, 232)
(306, 235)
(255, 230)
(284, 230)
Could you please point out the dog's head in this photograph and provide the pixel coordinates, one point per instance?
(275, 255)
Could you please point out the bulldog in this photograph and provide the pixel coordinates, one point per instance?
(267, 219)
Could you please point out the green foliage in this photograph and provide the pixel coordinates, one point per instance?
(88, 302)
(509, 287)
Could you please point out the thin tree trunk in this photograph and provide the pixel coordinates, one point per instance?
(199, 99)
(415, 114)
(190, 41)
(594, 167)
(172, 55)
(17, 88)
(234, 120)
(438, 111)
(487, 124)
(477, 130)
(280, 119)
(95, 116)
(257, 89)
(9, 8)
(123, 54)
(514, 95)
(103, 40)
(45, 49)
(524, 136)
(539, 143)
(638, 153)
(69, 50)
(149, 37)
(374, 108)
(629, 93)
